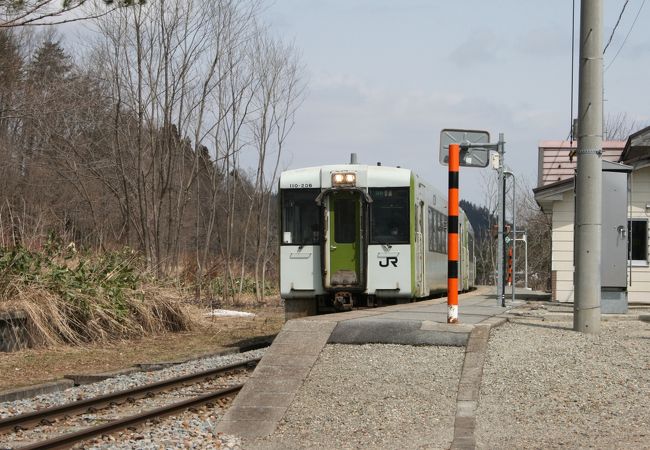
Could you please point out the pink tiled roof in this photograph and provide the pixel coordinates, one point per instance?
(554, 163)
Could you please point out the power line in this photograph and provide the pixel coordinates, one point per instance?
(573, 44)
(611, 36)
(626, 36)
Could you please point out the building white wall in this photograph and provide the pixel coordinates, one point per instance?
(562, 247)
(562, 242)
(639, 280)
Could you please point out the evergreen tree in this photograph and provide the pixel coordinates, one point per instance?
(479, 217)
(11, 64)
(50, 64)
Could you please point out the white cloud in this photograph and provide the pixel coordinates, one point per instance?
(344, 115)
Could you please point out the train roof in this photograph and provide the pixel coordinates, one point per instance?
(367, 176)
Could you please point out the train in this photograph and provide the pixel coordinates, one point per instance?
(355, 235)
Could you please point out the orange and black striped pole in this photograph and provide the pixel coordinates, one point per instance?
(510, 265)
(452, 235)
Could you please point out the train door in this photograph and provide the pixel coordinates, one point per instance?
(420, 269)
(344, 247)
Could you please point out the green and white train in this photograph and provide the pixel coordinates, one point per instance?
(359, 235)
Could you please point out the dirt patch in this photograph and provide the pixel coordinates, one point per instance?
(211, 334)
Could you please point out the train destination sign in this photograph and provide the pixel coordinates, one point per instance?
(472, 151)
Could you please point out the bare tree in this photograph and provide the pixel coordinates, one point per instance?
(148, 142)
(486, 244)
(20, 13)
(538, 228)
(225, 108)
(276, 100)
(529, 218)
(620, 127)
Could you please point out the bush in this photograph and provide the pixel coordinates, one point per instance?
(76, 297)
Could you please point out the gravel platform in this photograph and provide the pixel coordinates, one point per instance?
(546, 386)
(373, 396)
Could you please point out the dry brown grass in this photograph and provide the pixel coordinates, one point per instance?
(209, 334)
(52, 320)
(102, 312)
(73, 298)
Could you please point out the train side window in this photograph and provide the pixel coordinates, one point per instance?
(301, 218)
(431, 229)
(438, 225)
(389, 216)
(437, 232)
(470, 246)
(442, 233)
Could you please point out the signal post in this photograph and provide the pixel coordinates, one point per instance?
(469, 148)
(452, 234)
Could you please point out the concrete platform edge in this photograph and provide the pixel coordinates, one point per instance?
(259, 407)
(469, 385)
(34, 390)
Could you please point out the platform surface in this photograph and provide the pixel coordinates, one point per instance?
(422, 323)
(262, 403)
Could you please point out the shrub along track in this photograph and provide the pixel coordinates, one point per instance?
(51, 416)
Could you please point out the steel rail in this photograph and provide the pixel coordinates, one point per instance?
(66, 440)
(46, 416)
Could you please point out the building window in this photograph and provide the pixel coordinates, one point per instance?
(637, 244)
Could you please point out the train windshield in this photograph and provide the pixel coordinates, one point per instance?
(300, 217)
(389, 216)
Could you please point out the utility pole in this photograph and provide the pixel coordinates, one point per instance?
(514, 228)
(501, 298)
(588, 210)
(514, 237)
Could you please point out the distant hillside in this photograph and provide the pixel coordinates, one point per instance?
(479, 217)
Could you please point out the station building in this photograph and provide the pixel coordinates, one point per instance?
(555, 195)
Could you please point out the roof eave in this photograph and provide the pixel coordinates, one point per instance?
(545, 196)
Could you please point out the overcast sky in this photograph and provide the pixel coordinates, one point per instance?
(384, 77)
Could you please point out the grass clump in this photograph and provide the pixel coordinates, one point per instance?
(73, 297)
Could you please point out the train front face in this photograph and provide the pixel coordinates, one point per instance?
(346, 236)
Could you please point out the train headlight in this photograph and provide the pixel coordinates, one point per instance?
(344, 179)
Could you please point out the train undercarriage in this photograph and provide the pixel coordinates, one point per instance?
(342, 301)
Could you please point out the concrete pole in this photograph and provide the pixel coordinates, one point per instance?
(514, 229)
(586, 309)
(505, 246)
(526, 260)
(500, 247)
(514, 236)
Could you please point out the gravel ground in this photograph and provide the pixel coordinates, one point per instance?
(373, 396)
(190, 430)
(546, 386)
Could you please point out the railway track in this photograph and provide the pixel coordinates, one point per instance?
(53, 415)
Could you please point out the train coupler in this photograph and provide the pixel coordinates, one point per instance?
(343, 301)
